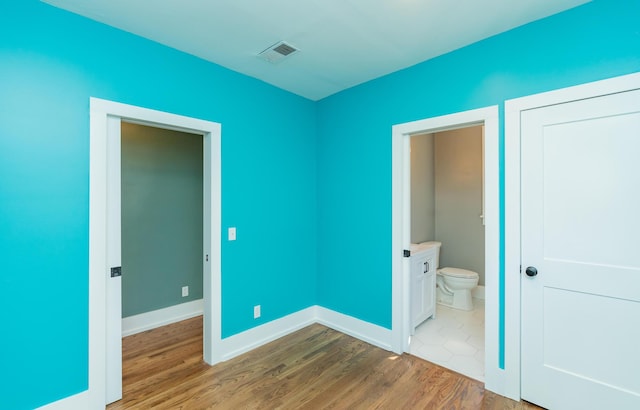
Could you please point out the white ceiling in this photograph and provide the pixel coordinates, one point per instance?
(342, 43)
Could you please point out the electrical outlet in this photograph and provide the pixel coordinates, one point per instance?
(185, 291)
(232, 234)
(256, 311)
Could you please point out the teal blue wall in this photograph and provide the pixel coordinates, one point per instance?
(592, 42)
(51, 62)
(161, 218)
(323, 180)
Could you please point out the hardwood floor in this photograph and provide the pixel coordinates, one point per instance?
(313, 368)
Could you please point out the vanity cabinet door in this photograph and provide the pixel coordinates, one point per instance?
(417, 291)
(429, 291)
(422, 289)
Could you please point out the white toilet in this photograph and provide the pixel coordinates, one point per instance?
(454, 287)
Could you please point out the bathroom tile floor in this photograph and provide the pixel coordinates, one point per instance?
(454, 339)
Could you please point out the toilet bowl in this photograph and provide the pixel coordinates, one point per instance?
(454, 287)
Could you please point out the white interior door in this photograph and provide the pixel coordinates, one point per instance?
(114, 261)
(580, 230)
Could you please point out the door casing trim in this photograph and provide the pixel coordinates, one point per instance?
(101, 111)
(401, 203)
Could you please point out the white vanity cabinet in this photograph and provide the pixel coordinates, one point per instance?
(424, 262)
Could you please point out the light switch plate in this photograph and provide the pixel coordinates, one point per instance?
(232, 234)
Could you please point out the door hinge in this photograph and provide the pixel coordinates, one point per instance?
(406, 253)
(206, 258)
(116, 271)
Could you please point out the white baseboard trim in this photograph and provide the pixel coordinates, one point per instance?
(248, 340)
(161, 317)
(368, 332)
(235, 345)
(80, 401)
(478, 292)
(240, 343)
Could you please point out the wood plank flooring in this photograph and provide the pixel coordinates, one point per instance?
(313, 368)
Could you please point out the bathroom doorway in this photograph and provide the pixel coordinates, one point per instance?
(401, 232)
(447, 206)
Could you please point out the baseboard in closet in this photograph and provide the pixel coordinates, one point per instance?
(161, 317)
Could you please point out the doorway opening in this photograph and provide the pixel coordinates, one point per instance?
(401, 227)
(161, 231)
(105, 318)
(162, 225)
(446, 191)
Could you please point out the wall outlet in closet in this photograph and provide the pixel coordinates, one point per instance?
(256, 311)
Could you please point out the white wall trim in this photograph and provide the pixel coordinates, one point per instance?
(161, 317)
(80, 401)
(401, 228)
(513, 109)
(243, 342)
(101, 112)
(365, 331)
(248, 340)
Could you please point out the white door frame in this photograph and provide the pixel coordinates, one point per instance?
(513, 276)
(401, 211)
(102, 112)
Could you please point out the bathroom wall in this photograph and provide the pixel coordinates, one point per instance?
(458, 198)
(422, 189)
(161, 218)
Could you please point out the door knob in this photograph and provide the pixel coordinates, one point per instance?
(531, 271)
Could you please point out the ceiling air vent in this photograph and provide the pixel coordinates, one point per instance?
(278, 52)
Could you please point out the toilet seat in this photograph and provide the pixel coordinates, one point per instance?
(458, 273)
